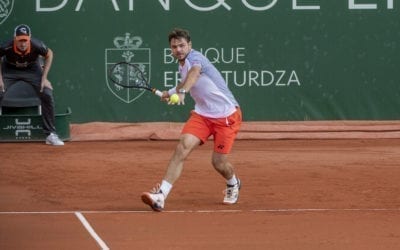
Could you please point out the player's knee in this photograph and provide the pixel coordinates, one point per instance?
(182, 150)
(218, 161)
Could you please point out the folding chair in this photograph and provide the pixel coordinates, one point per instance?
(21, 95)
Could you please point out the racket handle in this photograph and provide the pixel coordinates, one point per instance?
(157, 92)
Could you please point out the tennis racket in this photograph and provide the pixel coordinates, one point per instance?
(129, 75)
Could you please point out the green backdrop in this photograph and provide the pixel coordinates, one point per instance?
(283, 59)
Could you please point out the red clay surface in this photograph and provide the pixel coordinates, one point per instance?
(296, 194)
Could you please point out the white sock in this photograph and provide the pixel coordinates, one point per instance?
(165, 187)
(232, 181)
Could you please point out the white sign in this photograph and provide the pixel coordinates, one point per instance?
(44, 6)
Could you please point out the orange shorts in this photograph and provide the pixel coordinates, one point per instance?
(224, 130)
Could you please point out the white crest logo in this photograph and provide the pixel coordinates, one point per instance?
(6, 7)
(127, 49)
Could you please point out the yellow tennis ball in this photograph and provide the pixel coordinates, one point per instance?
(174, 99)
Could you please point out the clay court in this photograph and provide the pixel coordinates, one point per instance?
(296, 194)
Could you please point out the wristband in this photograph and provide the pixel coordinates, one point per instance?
(182, 91)
(172, 91)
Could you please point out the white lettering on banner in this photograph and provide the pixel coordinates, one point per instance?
(168, 57)
(115, 5)
(245, 78)
(390, 4)
(219, 3)
(266, 7)
(263, 78)
(166, 5)
(215, 55)
(39, 7)
(354, 6)
(251, 78)
(171, 79)
(309, 7)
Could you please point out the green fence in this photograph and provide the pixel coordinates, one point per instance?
(283, 60)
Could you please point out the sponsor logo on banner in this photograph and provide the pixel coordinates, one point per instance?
(6, 7)
(20, 128)
(127, 49)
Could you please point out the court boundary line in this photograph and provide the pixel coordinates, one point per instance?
(278, 210)
(91, 231)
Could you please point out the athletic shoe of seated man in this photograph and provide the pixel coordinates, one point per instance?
(52, 139)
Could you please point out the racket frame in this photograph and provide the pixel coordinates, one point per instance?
(145, 86)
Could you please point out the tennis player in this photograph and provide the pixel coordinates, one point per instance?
(216, 112)
(19, 61)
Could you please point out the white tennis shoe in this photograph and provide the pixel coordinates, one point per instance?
(155, 199)
(53, 139)
(232, 193)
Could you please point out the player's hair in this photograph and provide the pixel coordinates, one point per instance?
(178, 33)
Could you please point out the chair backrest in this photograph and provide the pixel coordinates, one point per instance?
(20, 94)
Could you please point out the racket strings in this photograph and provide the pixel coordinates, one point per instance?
(128, 75)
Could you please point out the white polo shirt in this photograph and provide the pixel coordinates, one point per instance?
(211, 94)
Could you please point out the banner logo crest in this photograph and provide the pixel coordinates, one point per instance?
(6, 7)
(127, 49)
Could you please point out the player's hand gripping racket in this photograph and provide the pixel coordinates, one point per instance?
(129, 75)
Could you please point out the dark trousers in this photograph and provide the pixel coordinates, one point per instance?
(33, 77)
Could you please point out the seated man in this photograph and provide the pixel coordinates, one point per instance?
(19, 59)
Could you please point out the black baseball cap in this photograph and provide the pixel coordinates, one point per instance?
(22, 32)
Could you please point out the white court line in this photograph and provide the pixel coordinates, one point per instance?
(91, 231)
(278, 210)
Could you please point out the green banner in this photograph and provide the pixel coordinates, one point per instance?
(284, 60)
